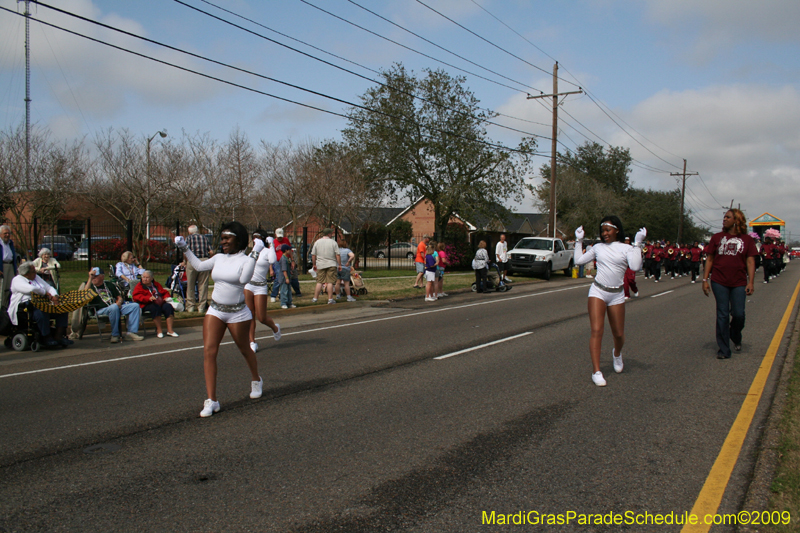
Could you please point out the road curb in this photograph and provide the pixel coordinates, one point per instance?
(758, 492)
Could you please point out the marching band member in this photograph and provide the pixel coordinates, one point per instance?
(613, 257)
(230, 270)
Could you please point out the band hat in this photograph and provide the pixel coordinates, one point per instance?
(609, 224)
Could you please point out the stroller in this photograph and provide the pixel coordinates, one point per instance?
(493, 280)
(357, 285)
(175, 283)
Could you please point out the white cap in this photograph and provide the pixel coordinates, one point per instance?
(279, 232)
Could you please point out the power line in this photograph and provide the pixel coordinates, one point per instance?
(335, 66)
(250, 89)
(316, 93)
(330, 54)
(416, 51)
(588, 93)
(433, 43)
(491, 43)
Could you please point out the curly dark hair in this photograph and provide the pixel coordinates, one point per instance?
(616, 222)
(241, 234)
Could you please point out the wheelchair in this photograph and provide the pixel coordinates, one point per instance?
(25, 335)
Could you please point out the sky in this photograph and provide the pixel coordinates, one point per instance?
(714, 82)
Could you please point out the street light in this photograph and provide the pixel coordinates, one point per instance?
(147, 199)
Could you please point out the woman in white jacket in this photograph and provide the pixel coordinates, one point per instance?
(606, 294)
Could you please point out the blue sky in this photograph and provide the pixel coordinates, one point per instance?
(712, 81)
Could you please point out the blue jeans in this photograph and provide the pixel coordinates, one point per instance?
(130, 309)
(730, 316)
(42, 320)
(276, 269)
(286, 292)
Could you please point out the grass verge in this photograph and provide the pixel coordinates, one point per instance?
(785, 487)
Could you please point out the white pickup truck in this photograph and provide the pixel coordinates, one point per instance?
(540, 255)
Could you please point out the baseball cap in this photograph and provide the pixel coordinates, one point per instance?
(97, 271)
(285, 247)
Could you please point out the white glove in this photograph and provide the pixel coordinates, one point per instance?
(180, 242)
(258, 245)
(579, 234)
(640, 236)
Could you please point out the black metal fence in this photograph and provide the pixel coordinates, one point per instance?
(80, 245)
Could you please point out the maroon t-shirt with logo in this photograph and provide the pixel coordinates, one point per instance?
(696, 251)
(730, 258)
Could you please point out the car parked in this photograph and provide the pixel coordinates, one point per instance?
(540, 255)
(82, 253)
(398, 249)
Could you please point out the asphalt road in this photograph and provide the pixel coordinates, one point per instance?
(362, 429)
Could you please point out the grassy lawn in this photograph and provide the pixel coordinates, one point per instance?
(381, 284)
(786, 485)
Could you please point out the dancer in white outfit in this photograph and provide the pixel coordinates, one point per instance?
(256, 294)
(613, 258)
(230, 270)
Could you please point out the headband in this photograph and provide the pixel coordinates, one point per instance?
(609, 224)
(226, 232)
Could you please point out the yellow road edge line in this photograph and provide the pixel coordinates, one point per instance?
(713, 489)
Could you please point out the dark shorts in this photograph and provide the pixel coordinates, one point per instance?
(502, 267)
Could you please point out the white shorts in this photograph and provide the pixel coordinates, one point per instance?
(610, 298)
(231, 318)
(262, 290)
(430, 276)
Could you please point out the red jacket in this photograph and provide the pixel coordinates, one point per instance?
(141, 294)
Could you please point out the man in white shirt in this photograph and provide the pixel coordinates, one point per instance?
(501, 256)
(23, 286)
(327, 263)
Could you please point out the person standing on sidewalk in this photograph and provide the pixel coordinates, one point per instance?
(9, 262)
(199, 246)
(278, 244)
(729, 272)
(501, 256)
(346, 257)
(419, 260)
(327, 263)
(285, 277)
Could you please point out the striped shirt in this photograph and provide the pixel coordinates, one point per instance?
(199, 246)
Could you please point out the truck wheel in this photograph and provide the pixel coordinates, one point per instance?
(548, 271)
(568, 270)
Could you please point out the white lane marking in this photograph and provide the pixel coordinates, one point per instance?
(662, 294)
(350, 324)
(483, 345)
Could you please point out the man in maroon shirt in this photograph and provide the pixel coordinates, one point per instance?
(648, 260)
(729, 272)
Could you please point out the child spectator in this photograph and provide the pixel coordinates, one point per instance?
(443, 262)
(430, 275)
(285, 286)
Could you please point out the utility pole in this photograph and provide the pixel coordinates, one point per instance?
(683, 194)
(555, 95)
(27, 92)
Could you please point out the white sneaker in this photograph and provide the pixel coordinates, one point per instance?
(254, 346)
(351, 299)
(617, 362)
(441, 295)
(209, 408)
(271, 299)
(277, 335)
(598, 379)
(284, 307)
(627, 297)
(255, 388)
(172, 334)
(636, 294)
(331, 301)
(507, 279)
(313, 300)
(133, 336)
